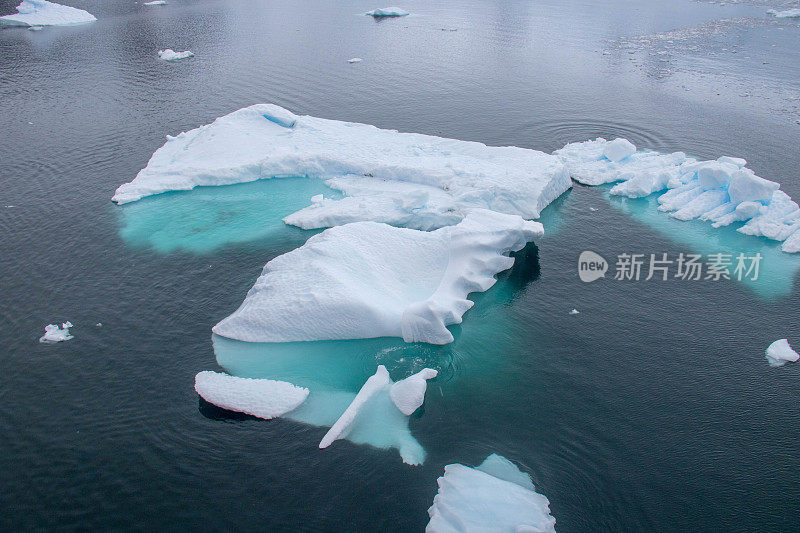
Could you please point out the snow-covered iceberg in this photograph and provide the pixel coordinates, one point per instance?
(172, 55)
(449, 176)
(53, 333)
(779, 353)
(263, 398)
(785, 14)
(368, 279)
(387, 12)
(494, 496)
(44, 13)
(723, 191)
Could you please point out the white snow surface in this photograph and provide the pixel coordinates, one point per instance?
(409, 394)
(388, 12)
(172, 55)
(721, 191)
(368, 279)
(377, 166)
(263, 398)
(494, 497)
(44, 13)
(52, 333)
(785, 14)
(779, 353)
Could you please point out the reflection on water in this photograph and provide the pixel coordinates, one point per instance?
(206, 218)
(777, 270)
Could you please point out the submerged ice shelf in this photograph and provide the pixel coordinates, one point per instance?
(368, 279)
(494, 496)
(37, 13)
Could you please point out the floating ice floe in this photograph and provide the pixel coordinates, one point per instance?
(155, 3)
(494, 496)
(785, 14)
(52, 333)
(44, 13)
(367, 279)
(172, 55)
(263, 398)
(406, 179)
(574, 312)
(387, 12)
(722, 191)
(354, 60)
(779, 353)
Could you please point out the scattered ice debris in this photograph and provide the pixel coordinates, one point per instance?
(779, 352)
(340, 429)
(354, 60)
(387, 12)
(44, 13)
(172, 55)
(494, 496)
(53, 334)
(367, 279)
(263, 398)
(406, 179)
(409, 394)
(155, 3)
(722, 192)
(785, 14)
(574, 312)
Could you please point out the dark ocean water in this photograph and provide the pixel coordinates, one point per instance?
(653, 409)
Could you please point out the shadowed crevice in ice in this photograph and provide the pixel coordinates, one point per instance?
(777, 269)
(207, 218)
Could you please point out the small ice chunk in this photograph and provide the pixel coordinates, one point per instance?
(52, 333)
(35, 28)
(388, 12)
(618, 149)
(354, 60)
(99, 325)
(341, 427)
(495, 496)
(785, 14)
(574, 312)
(262, 398)
(155, 3)
(409, 394)
(779, 352)
(44, 13)
(172, 55)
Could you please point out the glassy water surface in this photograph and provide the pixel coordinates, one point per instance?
(653, 409)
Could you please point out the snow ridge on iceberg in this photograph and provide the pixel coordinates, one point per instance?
(494, 496)
(722, 191)
(368, 279)
(44, 13)
(267, 141)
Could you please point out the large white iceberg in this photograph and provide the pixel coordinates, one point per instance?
(368, 279)
(448, 176)
(263, 398)
(387, 12)
(493, 497)
(722, 191)
(44, 13)
(779, 353)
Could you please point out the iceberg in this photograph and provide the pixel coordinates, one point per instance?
(779, 353)
(722, 192)
(355, 60)
(368, 279)
(409, 394)
(44, 13)
(387, 12)
(494, 496)
(262, 398)
(448, 176)
(155, 3)
(785, 14)
(172, 55)
(53, 334)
